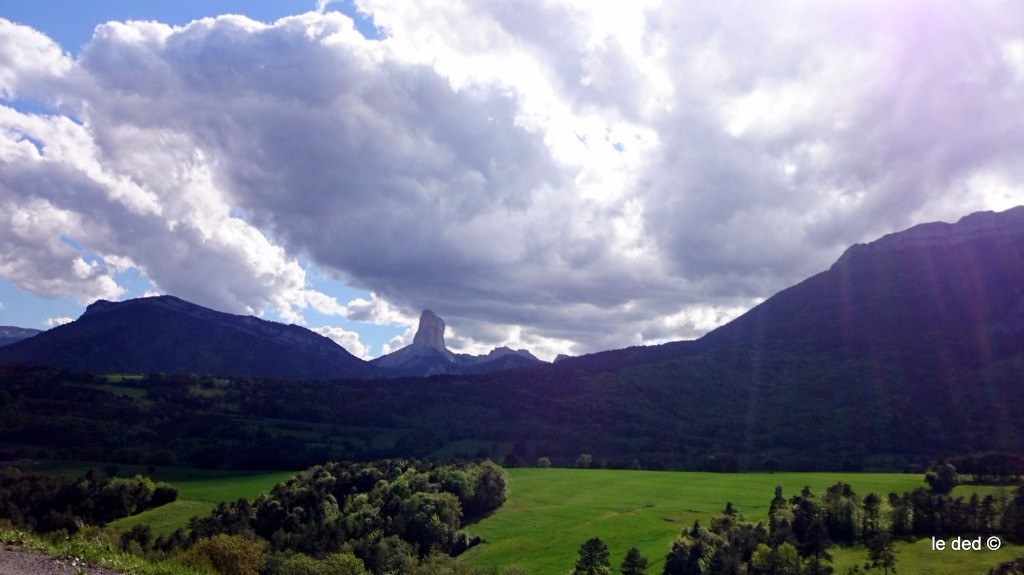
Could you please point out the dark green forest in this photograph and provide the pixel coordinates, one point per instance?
(721, 417)
(45, 503)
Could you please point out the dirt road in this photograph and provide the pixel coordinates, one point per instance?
(16, 562)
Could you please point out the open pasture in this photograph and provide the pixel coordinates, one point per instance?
(550, 512)
(200, 496)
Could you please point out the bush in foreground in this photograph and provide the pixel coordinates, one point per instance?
(225, 554)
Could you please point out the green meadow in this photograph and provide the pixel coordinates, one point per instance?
(200, 496)
(550, 512)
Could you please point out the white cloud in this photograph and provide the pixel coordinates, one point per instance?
(399, 341)
(569, 176)
(346, 339)
(55, 321)
(376, 310)
(513, 337)
(30, 62)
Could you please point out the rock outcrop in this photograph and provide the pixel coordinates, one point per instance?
(430, 332)
(428, 354)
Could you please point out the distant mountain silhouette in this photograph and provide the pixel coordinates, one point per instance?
(428, 355)
(936, 296)
(908, 347)
(168, 334)
(911, 344)
(10, 334)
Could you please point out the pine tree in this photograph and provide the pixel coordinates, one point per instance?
(634, 563)
(593, 558)
(776, 509)
(942, 477)
(872, 517)
(881, 552)
(692, 553)
(1012, 521)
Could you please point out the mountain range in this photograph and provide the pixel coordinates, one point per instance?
(170, 335)
(906, 347)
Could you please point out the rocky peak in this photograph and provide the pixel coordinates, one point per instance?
(505, 350)
(99, 306)
(430, 332)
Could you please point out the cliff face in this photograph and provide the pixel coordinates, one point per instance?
(430, 332)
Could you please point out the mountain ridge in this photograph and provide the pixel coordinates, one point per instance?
(168, 334)
(933, 234)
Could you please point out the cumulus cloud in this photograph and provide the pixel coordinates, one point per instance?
(566, 176)
(346, 339)
(30, 62)
(399, 341)
(55, 321)
(376, 310)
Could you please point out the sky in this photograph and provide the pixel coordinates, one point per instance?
(565, 176)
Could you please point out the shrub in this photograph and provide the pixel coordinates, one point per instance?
(225, 554)
(299, 564)
(342, 564)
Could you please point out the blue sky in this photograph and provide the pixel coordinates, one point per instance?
(554, 175)
(71, 22)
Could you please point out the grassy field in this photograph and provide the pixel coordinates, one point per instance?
(550, 512)
(200, 496)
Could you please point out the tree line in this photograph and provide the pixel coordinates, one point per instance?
(45, 503)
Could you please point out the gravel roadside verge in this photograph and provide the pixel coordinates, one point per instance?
(14, 561)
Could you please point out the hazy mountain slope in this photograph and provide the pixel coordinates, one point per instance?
(10, 334)
(936, 296)
(167, 334)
